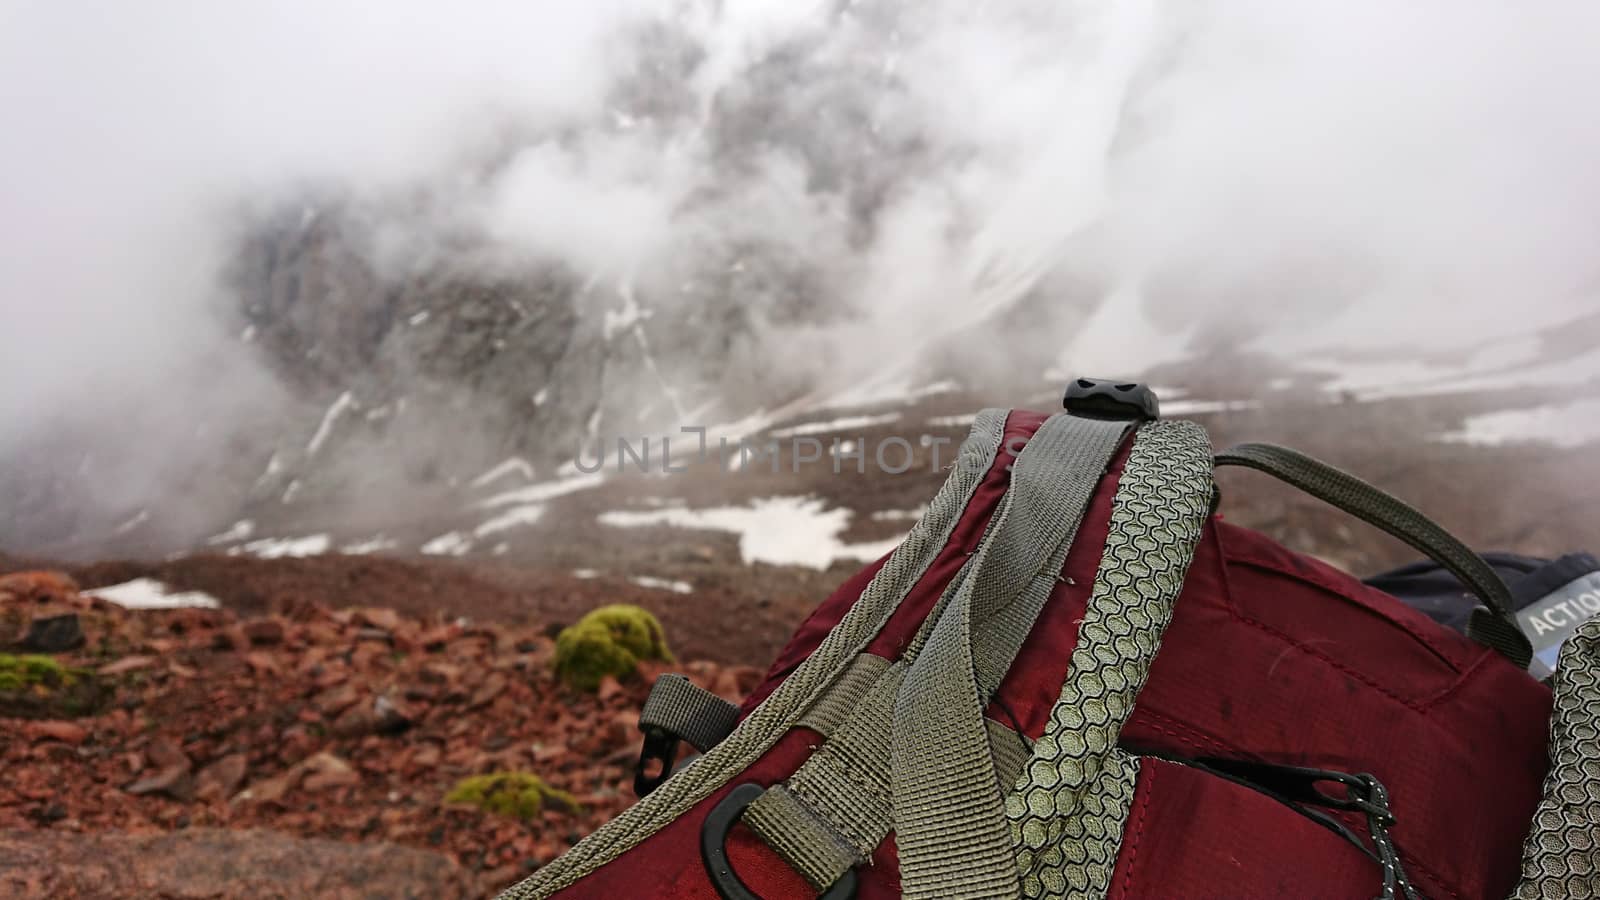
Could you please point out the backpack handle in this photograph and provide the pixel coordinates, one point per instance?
(1494, 627)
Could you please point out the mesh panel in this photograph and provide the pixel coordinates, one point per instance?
(1562, 856)
(1069, 804)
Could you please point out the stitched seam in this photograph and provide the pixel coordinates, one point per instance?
(1439, 882)
(1138, 830)
(1314, 581)
(1330, 661)
(1172, 727)
(1467, 674)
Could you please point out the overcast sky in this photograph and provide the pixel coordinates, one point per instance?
(1429, 166)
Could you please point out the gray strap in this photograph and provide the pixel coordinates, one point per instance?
(686, 710)
(773, 718)
(949, 812)
(839, 798)
(1067, 808)
(1010, 751)
(1495, 627)
(831, 709)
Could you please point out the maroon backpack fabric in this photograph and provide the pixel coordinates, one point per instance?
(1271, 657)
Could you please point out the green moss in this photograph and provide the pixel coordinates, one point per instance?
(519, 795)
(39, 687)
(28, 670)
(611, 640)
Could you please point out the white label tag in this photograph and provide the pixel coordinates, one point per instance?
(1553, 619)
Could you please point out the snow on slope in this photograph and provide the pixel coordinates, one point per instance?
(782, 531)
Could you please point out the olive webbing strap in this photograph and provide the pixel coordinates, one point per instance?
(1494, 626)
(837, 808)
(688, 711)
(783, 708)
(949, 812)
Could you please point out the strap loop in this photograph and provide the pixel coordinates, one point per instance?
(1495, 627)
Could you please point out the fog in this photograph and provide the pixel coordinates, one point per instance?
(1293, 176)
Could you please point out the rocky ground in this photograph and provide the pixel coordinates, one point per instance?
(324, 712)
(198, 749)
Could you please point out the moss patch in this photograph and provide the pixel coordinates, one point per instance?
(38, 687)
(520, 795)
(610, 640)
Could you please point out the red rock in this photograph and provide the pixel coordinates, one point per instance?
(65, 732)
(381, 716)
(263, 631)
(271, 790)
(231, 638)
(491, 688)
(165, 753)
(336, 700)
(331, 675)
(386, 619)
(437, 638)
(325, 771)
(37, 587)
(625, 727)
(262, 663)
(323, 633)
(426, 756)
(128, 664)
(173, 782)
(222, 778)
(610, 688)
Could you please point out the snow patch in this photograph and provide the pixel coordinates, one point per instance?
(543, 491)
(238, 531)
(964, 420)
(586, 574)
(1563, 425)
(785, 531)
(278, 548)
(834, 426)
(514, 517)
(663, 584)
(515, 465)
(625, 318)
(147, 593)
(1206, 407)
(375, 544)
(453, 543)
(899, 515)
(139, 518)
(338, 408)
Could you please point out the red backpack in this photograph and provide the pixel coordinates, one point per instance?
(985, 713)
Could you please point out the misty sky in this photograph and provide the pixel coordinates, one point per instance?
(1415, 168)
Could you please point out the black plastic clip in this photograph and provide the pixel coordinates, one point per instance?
(659, 746)
(714, 849)
(1100, 398)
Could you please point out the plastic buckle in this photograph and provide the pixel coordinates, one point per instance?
(714, 849)
(1101, 398)
(661, 746)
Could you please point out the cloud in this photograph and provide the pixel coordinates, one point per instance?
(1295, 174)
